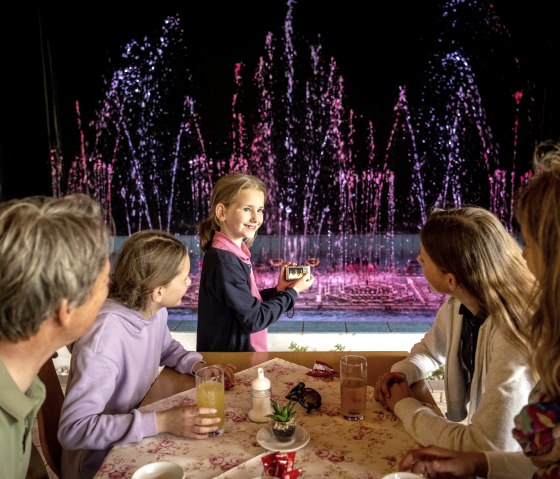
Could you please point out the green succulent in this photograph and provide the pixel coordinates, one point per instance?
(282, 413)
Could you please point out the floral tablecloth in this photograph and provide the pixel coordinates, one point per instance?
(338, 448)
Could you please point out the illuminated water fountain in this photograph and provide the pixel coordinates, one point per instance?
(333, 195)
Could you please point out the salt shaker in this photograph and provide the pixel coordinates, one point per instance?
(260, 392)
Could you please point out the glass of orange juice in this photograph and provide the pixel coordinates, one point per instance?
(210, 393)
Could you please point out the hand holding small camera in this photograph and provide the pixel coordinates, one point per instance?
(295, 276)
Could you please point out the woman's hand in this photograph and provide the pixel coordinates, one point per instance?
(435, 462)
(398, 391)
(383, 386)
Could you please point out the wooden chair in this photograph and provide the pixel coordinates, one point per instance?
(49, 416)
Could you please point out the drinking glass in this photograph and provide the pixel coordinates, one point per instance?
(210, 393)
(353, 384)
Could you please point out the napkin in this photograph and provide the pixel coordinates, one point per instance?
(281, 465)
(321, 370)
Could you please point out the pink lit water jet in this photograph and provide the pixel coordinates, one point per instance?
(335, 193)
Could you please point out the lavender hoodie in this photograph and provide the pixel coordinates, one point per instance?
(112, 369)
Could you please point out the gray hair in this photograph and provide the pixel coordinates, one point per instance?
(50, 249)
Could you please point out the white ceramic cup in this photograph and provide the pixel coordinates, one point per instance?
(402, 475)
(160, 470)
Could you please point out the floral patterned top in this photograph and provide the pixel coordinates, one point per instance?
(537, 428)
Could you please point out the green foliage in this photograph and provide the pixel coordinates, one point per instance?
(437, 374)
(299, 349)
(282, 413)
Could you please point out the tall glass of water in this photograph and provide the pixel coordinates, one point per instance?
(353, 385)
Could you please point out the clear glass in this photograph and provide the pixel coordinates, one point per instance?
(353, 386)
(210, 393)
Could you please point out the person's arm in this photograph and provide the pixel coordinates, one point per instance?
(252, 314)
(425, 356)
(83, 421)
(430, 352)
(173, 353)
(508, 465)
(437, 462)
(268, 293)
(504, 390)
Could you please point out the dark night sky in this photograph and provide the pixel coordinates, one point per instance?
(378, 46)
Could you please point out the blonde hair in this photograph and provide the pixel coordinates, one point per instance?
(224, 192)
(546, 155)
(50, 249)
(538, 211)
(148, 259)
(487, 261)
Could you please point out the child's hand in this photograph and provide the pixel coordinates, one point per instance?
(300, 285)
(229, 372)
(304, 283)
(282, 283)
(187, 421)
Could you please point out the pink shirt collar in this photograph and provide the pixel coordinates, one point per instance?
(221, 241)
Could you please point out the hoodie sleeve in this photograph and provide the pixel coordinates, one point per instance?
(86, 420)
(174, 355)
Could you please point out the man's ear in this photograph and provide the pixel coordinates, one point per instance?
(451, 282)
(63, 314)
(220, 212)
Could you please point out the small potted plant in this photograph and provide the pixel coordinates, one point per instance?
(283, 421)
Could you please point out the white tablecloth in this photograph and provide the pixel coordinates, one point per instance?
(338, 448)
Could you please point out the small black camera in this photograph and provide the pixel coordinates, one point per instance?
(296, 272)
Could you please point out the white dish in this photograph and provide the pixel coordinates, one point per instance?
(162, 469)
(267, 440)
(402, 475)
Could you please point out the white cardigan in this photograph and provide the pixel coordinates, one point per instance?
(500, 386)
(509, 465)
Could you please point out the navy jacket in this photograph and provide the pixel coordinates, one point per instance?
(227, 311)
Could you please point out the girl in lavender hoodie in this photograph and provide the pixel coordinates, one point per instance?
(114, 365)
(233, 315)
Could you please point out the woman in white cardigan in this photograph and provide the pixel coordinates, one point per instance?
(467, 254)
(537, 425)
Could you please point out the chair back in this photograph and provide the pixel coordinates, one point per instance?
(49, 416)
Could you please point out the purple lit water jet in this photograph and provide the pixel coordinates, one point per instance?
(334, 194)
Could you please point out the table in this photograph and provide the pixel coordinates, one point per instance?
(169, 382)
(338, 448)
